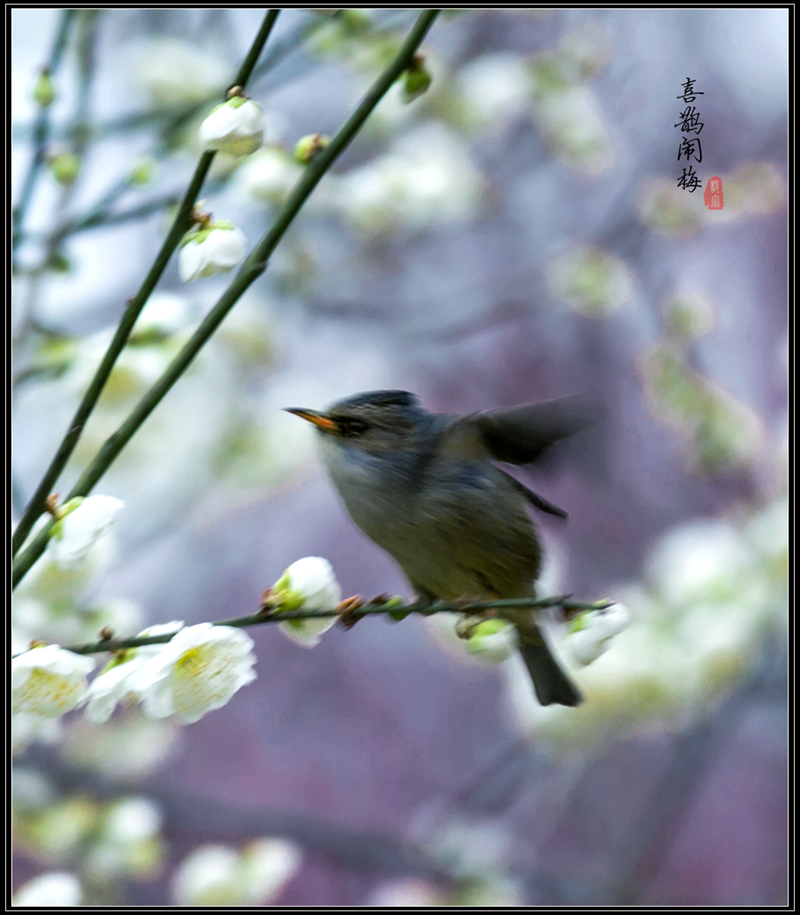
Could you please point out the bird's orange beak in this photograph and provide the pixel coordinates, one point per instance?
(319, 419)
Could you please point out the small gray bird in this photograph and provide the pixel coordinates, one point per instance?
(423, 486)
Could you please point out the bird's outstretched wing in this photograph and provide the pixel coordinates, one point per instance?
(518, 435)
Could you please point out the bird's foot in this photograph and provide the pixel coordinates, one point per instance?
(468, 622)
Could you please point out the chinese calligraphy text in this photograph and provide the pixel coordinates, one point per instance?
(690, 147)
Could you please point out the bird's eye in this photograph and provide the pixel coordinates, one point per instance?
(353, 426)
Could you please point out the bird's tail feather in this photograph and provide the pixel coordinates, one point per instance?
(549, 681)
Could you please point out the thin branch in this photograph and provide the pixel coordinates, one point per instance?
(134, 307)
(102, 217)
(255, 51)
(170, 119)
(251, 269)
(348, 616)
(79, 137)
(41, 132)
(168, 122)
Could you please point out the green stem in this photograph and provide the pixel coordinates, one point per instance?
(369, 609)
(253, 267)
(134, 307)
(41, 133)
(255, 51)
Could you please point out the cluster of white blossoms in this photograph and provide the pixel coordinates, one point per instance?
(196, 670)
(222, 875)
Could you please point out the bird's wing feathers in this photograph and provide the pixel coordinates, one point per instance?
(516, 435)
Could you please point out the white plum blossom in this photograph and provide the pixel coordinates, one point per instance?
(128, 840)
(308, 584)
(114, 683)
(269, 175)
(219, 875)
(79, 528)
(215, 248)
(207, 876)
(426, 179)
(495, 86)
(492, 641)
(267, 865)
(593, 632)
(110, 687)
(235, 127)
(48, 681)
(57, 888)
(133, 819)
(406, 893)
(175, 72)
(164, 314)
(698, 561)
(197, 671)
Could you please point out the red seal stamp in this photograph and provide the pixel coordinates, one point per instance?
(712, 196)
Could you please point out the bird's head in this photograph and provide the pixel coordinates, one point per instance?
(375, 422)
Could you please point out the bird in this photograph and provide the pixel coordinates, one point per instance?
(426, 488)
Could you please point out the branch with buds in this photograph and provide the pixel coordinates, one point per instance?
(132, 311)
(186, 671)
(349, 611)
(253, 266)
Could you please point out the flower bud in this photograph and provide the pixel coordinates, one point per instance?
(591, 632)
(142, 172)
(215, 248)
(58, 262)
(355, 21)
(308, 584)
(65, 167)
(492, 641)
(416, 80)
(44, 92)
(309, 145)
(235, 127)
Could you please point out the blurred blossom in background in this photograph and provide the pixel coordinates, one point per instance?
(513, 234)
